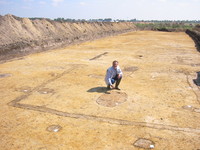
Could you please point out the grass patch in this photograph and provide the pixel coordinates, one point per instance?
(168, 27)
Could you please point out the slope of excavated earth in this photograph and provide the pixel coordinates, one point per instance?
(57, 100)
(21, 36)
(195, 35)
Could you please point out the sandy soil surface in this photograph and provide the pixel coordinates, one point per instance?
(57, 100)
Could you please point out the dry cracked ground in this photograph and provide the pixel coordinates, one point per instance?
(57, 100)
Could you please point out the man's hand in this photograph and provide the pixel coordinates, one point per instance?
(112, 86)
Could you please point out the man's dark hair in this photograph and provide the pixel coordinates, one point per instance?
(115, 61)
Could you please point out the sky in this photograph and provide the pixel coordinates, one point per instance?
(96, 9)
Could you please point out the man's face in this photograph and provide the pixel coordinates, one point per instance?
(115, 64)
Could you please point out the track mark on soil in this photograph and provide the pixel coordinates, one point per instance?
(105, 119)
(194, 87)
(196, 91)
(15, 103)
(98, 56)
(5, 75)
(41, 86)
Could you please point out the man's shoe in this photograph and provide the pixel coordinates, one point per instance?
(108, 87)
(117, 88)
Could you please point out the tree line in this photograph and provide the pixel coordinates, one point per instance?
(120, 20)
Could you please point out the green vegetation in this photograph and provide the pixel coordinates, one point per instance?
(69, 20)
(156, 25)
(169, 27)
(83, 20)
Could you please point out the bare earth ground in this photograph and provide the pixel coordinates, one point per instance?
(66, 88)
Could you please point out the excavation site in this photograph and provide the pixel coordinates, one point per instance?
(53, 95)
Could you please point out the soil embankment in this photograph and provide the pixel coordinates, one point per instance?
(22, 36)
(195, 35)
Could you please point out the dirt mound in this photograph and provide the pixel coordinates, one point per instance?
(197, 28)
(20, 36)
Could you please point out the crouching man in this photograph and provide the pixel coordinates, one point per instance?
(113, 74)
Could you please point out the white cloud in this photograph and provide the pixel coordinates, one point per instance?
(28, 0)
(4, 2)
(162, 0)
(56, 2)
(26, 7)
(42, 2)
(82, 3)
(184, 4)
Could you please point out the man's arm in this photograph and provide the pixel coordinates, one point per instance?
(108, 77)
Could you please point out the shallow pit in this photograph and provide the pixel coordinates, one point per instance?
(95, 76)
(197, 110)
(188, 107)
(46, 91)
(130, 69)
(54, 128)
(112, 99)
(144, 143)
(24, 89)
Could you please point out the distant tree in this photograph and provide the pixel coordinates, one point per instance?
(107, 20)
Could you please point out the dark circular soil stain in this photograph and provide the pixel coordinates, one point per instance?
(197, 110)
(144, 143)
(188, 107)
(24, 89)
(130, 69)
(46, 91)
(112, 99)
(95, 76)
(54, 128)
(5, 75)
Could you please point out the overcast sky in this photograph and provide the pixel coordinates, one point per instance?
(94, 9)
